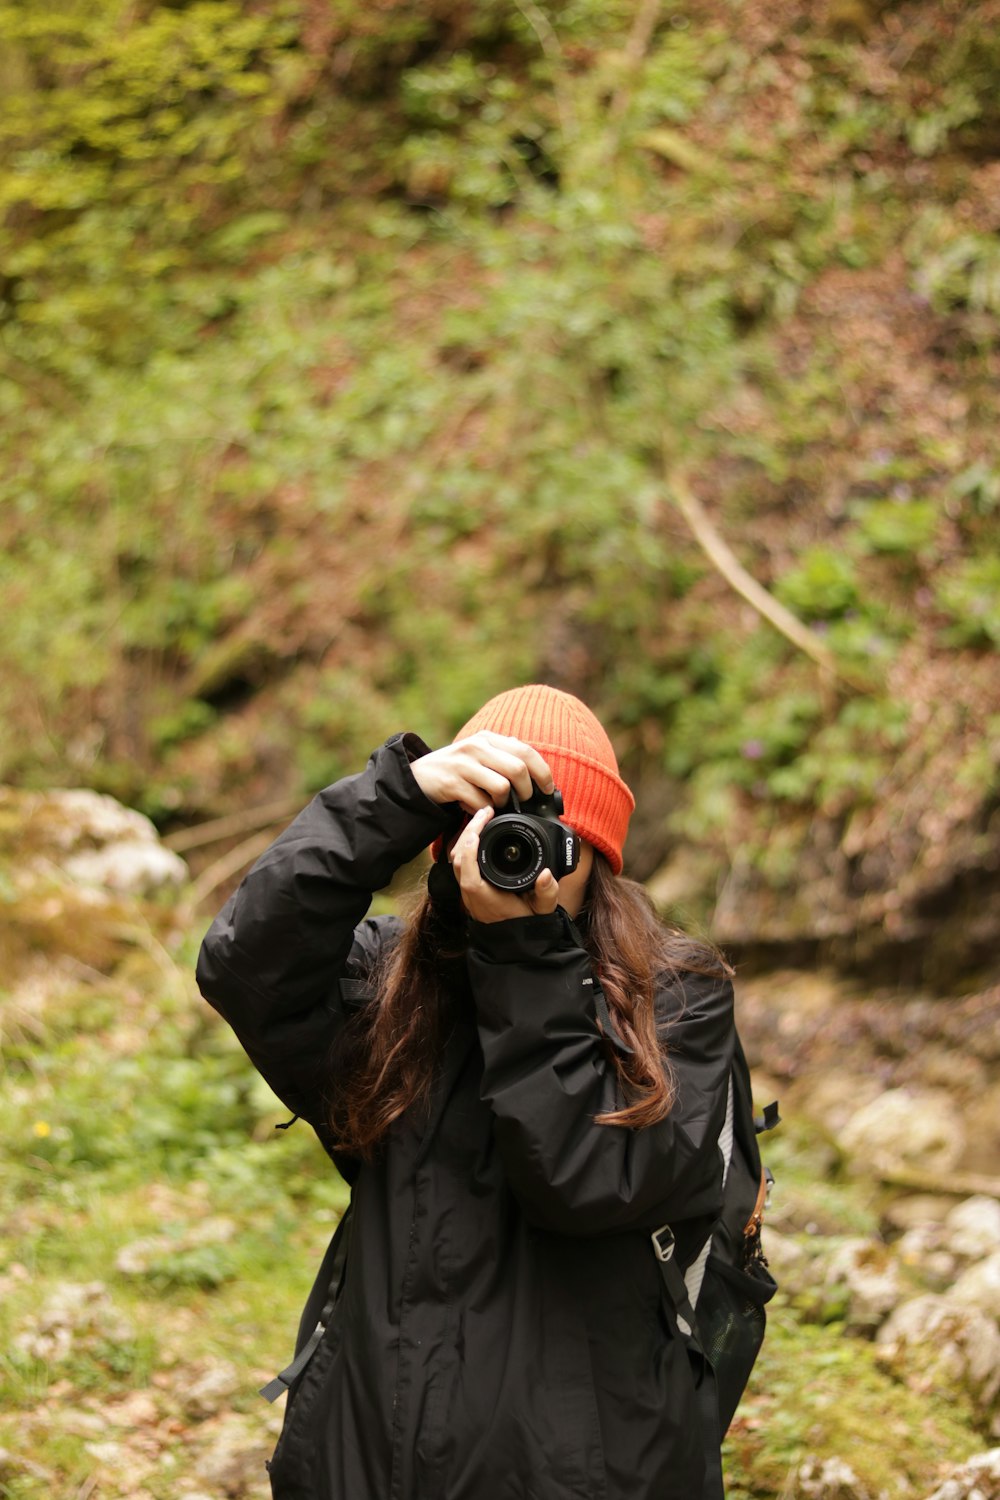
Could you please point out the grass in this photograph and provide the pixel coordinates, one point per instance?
(816, 1392)
(146, 1192)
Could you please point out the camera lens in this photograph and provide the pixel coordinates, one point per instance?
(511, 854)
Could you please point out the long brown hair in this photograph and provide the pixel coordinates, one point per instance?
(385, 1056)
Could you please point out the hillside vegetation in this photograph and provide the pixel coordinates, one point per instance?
(354, 361)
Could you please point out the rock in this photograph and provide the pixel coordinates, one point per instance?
(921, 1250)
(137, 1409)
(73, 868)
(977, 1479)
(233, 1461)
(209, 1389)
(791, 1264)
(76, 1313)
(904, 1129)
(16, 1272)
(870, 1277)
(88, 839)
(979, 1286)
(138, 1256)
(835, 1098)
(147, 1255)
(825, 1479)
(15, 1465)
(72, 818)
(112, 1454)
(973, 1228)
(81, 1423)
(932, 1342)
(916, 1211)
(130, 869)
(128, 1465)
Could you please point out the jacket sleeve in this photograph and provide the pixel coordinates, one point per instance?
(271, 961)
(547, 1075)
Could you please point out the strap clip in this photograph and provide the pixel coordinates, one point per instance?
(664, 1243)
(281, 1383)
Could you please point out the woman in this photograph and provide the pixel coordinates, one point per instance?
(495, 1326)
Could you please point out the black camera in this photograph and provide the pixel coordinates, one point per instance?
(526, 838)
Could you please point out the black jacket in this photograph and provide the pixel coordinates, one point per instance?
(502, 1333)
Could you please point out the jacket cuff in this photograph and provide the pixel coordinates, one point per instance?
(389, 817)
(409, 747)
(413, 746)
(521, 939)
(392, 763)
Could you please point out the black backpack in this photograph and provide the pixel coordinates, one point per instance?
(719, 1299)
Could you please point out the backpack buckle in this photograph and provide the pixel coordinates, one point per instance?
(664, 1243)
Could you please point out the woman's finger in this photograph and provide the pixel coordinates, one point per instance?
(465, 850)
(480, 771)
(492, 780)
(511, 767)
(522, 764)
(540, 770)
(545, 896)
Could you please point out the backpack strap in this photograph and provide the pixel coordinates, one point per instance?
(695, 1273)
(283, 1380)
(683, 1291)
(706, 1394)
(354, 992)
(664, 1246)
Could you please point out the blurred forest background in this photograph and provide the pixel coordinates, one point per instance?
(361, 358)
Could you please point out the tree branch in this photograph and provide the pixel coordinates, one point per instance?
(954, 1184)
(551, 46)
(721, 556)
(646, 16)
(267, 815)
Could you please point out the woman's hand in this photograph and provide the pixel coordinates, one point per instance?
(482, 901)
(480, 771)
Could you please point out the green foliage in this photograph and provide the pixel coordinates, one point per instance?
(954, 268)
(181, 723)
(979, 484)
(823, 586)
(119, 137)
(969, 594)
(305, 444)
(902, 528)
(816, 1393)
(170, 1111)
(201, 1266)
(955, 75)
(845, 762)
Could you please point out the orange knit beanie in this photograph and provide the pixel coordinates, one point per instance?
(597, 802)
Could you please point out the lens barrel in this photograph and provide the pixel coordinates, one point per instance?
(513, 852)
(526, 838)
